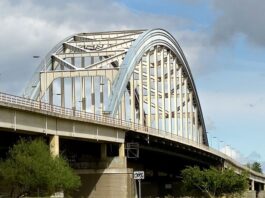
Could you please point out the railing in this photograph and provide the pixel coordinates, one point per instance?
(114, 122)
(92, 117)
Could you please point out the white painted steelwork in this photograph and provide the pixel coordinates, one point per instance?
(138, 76)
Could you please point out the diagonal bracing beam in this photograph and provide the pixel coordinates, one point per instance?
(46, 78)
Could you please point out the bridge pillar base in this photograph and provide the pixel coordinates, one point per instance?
(249, 194)
(102, 183)
(121, 150)
(261, 194)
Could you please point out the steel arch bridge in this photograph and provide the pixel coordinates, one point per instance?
(141, 76)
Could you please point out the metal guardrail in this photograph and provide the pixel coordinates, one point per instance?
(114, 122)
(45, 107)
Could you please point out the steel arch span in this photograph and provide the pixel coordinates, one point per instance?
(141, 76)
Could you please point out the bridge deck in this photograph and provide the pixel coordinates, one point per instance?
(115, 127)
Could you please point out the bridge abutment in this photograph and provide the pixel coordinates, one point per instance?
(110, 182)
(261, 194)
(108, 177)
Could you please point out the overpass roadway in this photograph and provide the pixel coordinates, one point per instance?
(21, 114)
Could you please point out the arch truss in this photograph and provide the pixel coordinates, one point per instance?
(138, 76)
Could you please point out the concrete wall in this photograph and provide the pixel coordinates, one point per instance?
(111, 183)
(250, 194)
(261, 194)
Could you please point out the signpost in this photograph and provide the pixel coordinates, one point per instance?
(138, 175)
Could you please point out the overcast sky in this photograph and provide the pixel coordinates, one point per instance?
(224, 42)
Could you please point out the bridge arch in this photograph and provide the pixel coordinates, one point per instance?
(143, 72)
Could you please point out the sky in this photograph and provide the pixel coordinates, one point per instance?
(224, 42)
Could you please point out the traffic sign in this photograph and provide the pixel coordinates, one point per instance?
(138, 174)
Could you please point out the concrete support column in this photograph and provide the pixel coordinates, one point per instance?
(54, 150)
(103, 150)
(252, 185)
(54, 145)
(121, 150)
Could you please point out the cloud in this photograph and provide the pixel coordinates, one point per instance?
(197, 49)
(240, 17)
(34, 27)
(231, 105)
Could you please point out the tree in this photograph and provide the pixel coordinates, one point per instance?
(30, 169)
(256, 166)
(214, 182)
